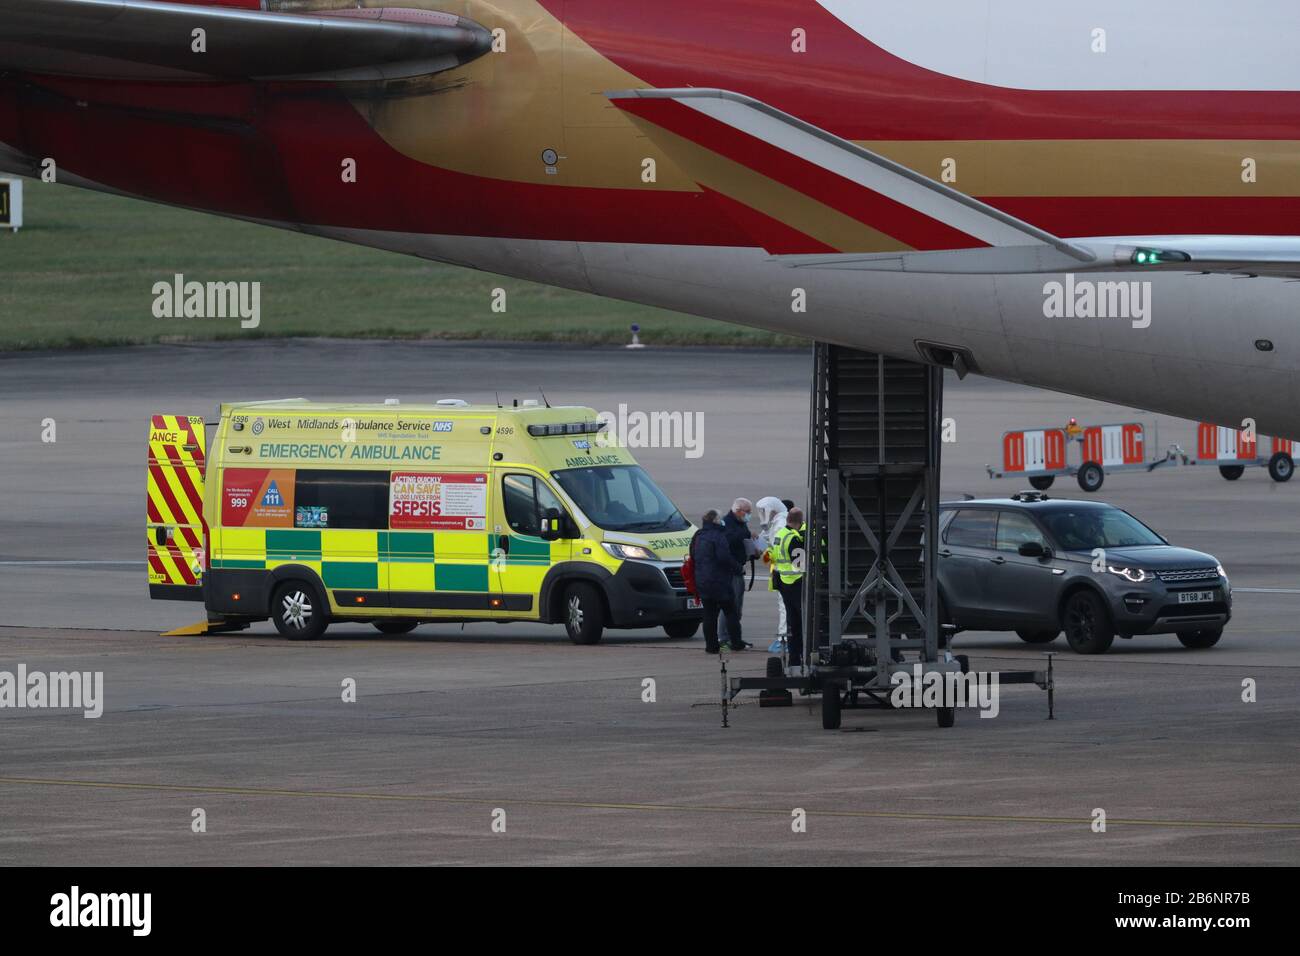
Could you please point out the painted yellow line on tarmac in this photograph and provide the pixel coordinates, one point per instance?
(654, 807)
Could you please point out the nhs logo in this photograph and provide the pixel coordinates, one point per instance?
(582, 443)
(442, 426)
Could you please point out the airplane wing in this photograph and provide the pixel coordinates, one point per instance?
(869, 213)
(141, 40)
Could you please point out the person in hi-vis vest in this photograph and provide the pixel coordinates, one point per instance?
(788, 571)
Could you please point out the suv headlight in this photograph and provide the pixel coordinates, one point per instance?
(1136, 575)
(634, 551)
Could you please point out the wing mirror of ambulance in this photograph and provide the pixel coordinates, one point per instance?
(557, 525)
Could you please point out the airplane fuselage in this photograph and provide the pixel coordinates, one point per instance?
(518, 163)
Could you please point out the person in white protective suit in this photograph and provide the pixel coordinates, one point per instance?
(771, 517)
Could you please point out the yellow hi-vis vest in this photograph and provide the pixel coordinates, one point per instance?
(784, 564)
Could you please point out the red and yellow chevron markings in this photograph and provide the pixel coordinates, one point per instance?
(174, 526)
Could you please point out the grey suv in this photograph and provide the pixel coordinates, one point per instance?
(1037, 565)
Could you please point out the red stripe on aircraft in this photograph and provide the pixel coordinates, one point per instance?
(893, 218)
(848, 85)
(171, 163)
(771, 234)
(238, 4)
(1154, 215)
(281, 163)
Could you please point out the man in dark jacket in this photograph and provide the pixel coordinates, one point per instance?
(715, 570)
(741, 543)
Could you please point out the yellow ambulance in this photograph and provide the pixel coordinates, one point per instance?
(397, 515)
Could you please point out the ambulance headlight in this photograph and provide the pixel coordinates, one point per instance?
(634, 551)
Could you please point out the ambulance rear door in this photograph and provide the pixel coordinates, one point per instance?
(174, 527)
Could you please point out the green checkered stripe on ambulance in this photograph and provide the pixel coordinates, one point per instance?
(360, 560)
(369, 560)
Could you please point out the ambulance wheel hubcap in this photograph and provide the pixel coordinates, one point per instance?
(575, 613)
(297, 610)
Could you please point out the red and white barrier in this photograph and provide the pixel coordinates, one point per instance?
(1218, 443)
(1028, 452)
(1112, 445)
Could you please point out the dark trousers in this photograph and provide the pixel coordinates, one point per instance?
(792, 596)
(737, 589)
(729, 614)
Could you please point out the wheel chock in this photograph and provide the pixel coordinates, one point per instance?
(206, 627)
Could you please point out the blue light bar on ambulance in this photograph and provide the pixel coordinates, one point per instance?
(566, 428)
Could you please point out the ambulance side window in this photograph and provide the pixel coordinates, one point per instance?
(341, 499)
(546, 498)
(526, 499)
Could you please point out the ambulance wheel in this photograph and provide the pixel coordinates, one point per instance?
(1091, 476)
(395, 627)
(299, 610)
(584, 614)
(681, 630)
(1232, 472)
(1281, 467)
(1200, 640)
(831, 712)
(947, 716)
(1042, 482)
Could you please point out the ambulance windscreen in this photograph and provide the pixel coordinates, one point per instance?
(621, 498)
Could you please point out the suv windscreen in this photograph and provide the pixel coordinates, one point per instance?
(1090, 528)
(621, 498)
(971, 528)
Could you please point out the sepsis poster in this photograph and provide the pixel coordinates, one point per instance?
(257, 497)
(444, 502)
